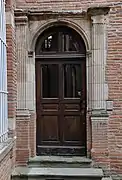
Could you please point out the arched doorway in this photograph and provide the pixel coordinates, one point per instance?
(61, 92)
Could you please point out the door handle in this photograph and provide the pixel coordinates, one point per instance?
(79, 93)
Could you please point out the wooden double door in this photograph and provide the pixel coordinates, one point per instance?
(61, 106)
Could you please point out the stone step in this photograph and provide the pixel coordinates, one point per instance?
(59, 162)
(57, 173)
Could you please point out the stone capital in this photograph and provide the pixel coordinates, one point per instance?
(99, 19)
(97, 11)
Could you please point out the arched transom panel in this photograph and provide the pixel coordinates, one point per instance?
(60, 39)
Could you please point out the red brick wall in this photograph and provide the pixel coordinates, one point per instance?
(112, 131)
(23, 139)
(11, 71)
(114, 78)
(99, 152)
(56, 5)
(5, 168)
(26, 138)
(7, 161)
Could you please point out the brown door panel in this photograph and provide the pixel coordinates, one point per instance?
(49, 128)
(61, 105)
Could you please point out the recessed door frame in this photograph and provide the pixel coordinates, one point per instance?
(70, 56)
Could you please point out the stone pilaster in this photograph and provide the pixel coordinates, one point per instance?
(22, 55)
(25, 87)
(99, 92)
(25, 64)
(99, 52)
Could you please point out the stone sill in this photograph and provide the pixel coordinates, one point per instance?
(5, 147)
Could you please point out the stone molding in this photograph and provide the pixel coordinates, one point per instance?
(99, 117)
(21, 20)
(22, 114)
(91, 11)
(37, 12)
(21, 17)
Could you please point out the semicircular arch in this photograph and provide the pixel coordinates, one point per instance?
(61, 22)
